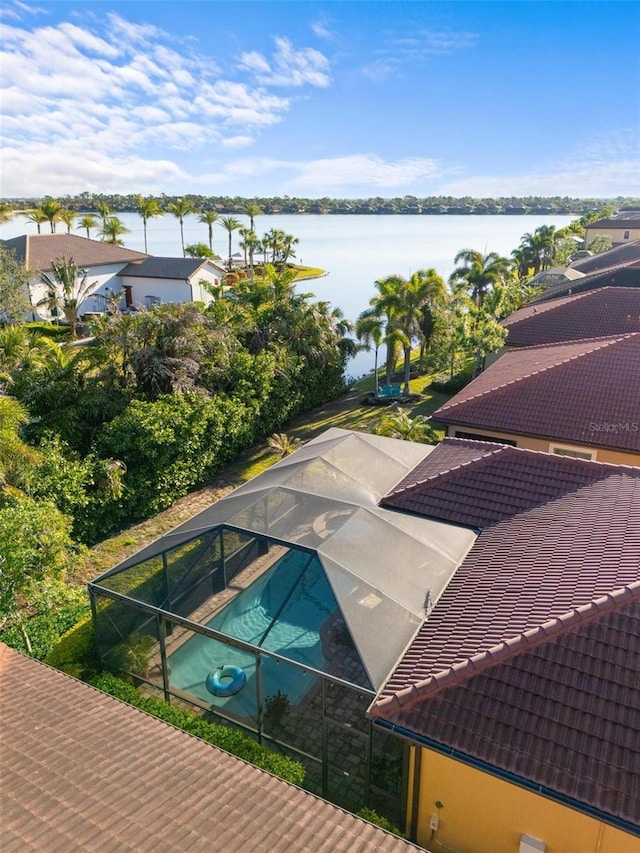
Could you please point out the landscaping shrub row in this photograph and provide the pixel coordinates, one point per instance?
(231, 740)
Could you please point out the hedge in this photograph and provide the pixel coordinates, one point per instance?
(231, 740)
(75, 652)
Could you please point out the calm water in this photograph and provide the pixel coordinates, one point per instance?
(355, 250)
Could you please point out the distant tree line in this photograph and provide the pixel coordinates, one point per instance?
(407, 205)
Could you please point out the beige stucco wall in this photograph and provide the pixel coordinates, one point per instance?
(483, 814)
(613, 457)
(616, 235)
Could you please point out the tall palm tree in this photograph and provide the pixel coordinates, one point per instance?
(253, 209)
(148, 208)
(230, 224)
(68, 287)
(112, 230)
(38, 216)
(370, 331)
(67, 216)
(181, 208)
(88, 222)
(51, 209)
(479, 273)
(209, 217)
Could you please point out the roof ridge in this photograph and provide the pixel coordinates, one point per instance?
(599, 343)
(508, 649)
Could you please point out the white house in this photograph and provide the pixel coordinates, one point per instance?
(141, 279)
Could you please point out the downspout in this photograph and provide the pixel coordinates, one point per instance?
(415, 799)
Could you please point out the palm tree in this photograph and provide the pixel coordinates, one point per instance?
(36, 215)
(198, 250)
(103, 210)
(51, 209)
(369, 330)
(181, 208)
(112, 229)
(401, 303)
(230, 224)
(479, 273)
(252, 209)
(281, 444)
(401, 425)
(537, 250)
(68, 287)
(67, 216)
(148, 208)
(209, 217)
(88, 222)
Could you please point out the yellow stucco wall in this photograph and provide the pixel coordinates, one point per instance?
(613, 457)
(483, 814)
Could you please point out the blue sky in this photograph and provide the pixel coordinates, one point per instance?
(340, 99)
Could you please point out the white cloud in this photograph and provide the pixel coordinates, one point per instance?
(93, 91)
(288, 66)
(320, 28)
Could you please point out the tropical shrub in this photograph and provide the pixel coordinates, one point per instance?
(75, 652)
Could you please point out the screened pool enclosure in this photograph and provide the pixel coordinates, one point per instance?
(283, 607)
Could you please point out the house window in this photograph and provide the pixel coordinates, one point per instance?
(626, 235)
(128, 296)
(559, 450)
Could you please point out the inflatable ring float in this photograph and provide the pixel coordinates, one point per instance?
(226, 680)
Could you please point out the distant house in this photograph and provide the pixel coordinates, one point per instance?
(623, 227)
(553, 276)
(82, 771)
(140, 279)
(455, 630)
(580, 398)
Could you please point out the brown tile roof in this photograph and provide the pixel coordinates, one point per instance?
(37, 251)
(626, 254)
(595, 314)
(529, 659)
(622, 275)
(82, 771)
(584, 392)
(563, 716)
(477, 484)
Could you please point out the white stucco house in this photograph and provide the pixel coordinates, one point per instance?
(141, 280)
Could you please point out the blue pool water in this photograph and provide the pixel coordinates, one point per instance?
(283, 611)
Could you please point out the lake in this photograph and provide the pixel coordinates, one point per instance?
(354, 250)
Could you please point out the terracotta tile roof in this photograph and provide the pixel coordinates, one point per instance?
(37, 251)
(564, 715)
(529, 659)
(181, 268)
(585, 393)
(594, 314)
(82, 771)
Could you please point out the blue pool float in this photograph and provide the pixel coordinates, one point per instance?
(226, 680)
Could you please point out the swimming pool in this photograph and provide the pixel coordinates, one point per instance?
(283, 611)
